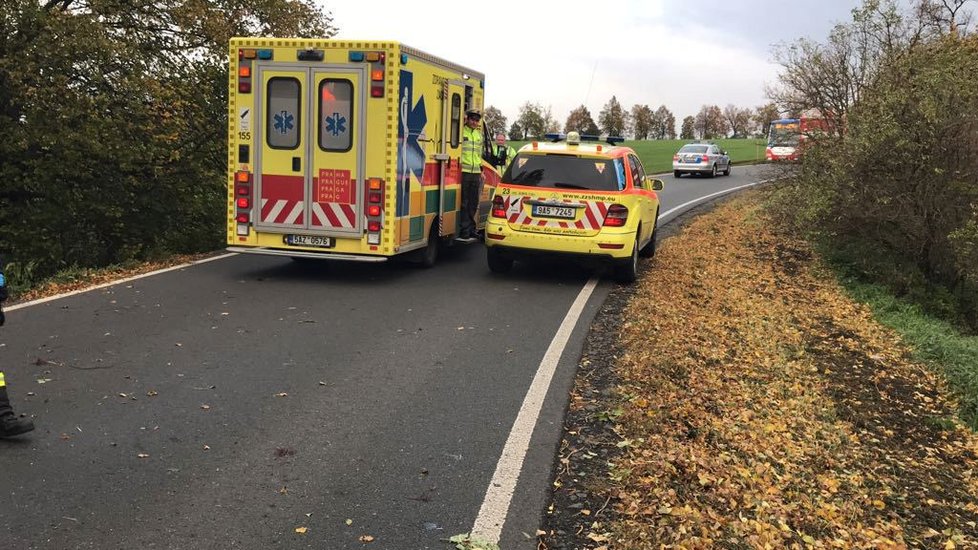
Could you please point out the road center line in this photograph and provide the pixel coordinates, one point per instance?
(703, 198)
(113, 283)
(495, 506)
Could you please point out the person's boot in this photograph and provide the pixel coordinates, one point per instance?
(11, 425)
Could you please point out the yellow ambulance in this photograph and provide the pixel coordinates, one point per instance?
(347, 150)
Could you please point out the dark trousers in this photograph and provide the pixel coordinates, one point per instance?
(471, 186)
(4, 400)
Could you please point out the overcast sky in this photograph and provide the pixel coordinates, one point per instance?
(562, 53)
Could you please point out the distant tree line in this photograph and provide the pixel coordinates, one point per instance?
(114, 125)
(640, 122)
(893, 181)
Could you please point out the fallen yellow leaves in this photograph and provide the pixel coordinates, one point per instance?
(760, 406)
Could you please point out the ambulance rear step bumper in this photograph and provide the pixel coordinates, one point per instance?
(304, 254)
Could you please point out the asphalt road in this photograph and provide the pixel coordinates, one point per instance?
(226, 404)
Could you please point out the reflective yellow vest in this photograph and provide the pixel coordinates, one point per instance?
(472, 150)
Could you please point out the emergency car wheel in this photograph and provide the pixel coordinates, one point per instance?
(429, 255)
(627, 270)
(497, 262)
(649, 249)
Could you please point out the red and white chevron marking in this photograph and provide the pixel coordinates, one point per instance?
(593, 219)
(334, 214)
(282, 211)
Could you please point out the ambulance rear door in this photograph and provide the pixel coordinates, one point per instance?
(309, 167)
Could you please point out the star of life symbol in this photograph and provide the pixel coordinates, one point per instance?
(336, 124)
(284, 122)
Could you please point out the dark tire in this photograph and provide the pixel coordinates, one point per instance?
(429, 254)
(627, 271)
(713, 171)
(648, 250)
(497, 262)
(677, 174)
(727, 171)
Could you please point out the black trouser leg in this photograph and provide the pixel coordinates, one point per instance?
(4, 399)
(470, 203)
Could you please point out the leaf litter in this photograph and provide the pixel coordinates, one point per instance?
(758, 407)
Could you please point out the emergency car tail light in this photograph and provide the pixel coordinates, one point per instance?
(374, 198)
(675, 157)
(377, 91)
(242, 218)
(242, 190)
(244, 87)
(373, 210)
(377, 75)
(242, 177)
(498, 207)
(706, 158)
(244, 71)
(373, 226)
(617, 216)
(244, 202)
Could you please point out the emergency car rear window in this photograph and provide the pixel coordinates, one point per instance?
(699, 149)
(566, 172)
(282, 118)
(335, 115)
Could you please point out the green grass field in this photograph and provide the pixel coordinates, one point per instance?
(657, 155)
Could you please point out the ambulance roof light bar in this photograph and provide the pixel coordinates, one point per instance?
(573, 138)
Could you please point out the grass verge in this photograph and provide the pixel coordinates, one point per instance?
(656, 155)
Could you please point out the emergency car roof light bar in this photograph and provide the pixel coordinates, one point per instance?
(554, 137)
(607, 139)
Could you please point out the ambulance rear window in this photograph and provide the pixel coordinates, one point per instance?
(566, 172)
(282, 118)
(336, 115)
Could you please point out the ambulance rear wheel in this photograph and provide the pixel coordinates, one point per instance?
(429, 255)
(497, 262)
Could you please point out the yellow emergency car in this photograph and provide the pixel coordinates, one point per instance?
(573, 196)
(347, 149)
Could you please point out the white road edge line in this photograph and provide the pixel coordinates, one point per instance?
(495, 506)
(703, 198)
(119, 282)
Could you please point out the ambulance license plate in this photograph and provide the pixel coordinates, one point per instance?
(309, 240)
(553, 211)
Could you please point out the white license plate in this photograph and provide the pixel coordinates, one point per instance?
(553, 211)
(309, 240)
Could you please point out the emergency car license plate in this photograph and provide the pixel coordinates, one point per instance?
(309, 240)
(553, 211)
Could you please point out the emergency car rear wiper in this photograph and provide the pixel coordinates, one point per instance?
(570, 186)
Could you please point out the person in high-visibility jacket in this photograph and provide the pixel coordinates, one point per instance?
(10, 424)
(472, 145)
(504, 153)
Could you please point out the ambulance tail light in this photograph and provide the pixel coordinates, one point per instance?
(242, 191)
(498, 207)
(375, 210)
(617, 216)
